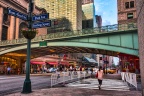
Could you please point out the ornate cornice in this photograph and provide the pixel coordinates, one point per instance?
(17, 6)
(13, 4)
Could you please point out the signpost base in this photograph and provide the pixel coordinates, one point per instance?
(27, 87)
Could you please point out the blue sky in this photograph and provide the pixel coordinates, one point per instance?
(108, 10)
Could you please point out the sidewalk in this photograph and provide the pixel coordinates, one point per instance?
(87, 90)
(67, 91)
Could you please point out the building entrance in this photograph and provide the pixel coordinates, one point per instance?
(4, 32)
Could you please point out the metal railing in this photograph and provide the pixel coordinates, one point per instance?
(68, 34)
(130, 78)
(62, 77)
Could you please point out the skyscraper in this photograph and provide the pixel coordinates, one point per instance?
(98, 21)
(66, 13)
(88, 14)
(87, 1)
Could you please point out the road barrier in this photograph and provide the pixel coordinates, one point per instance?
(62, 77)
(130, 78)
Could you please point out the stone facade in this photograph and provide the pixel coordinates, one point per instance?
(140, 21)
(10, 26)
(126, 9)
(67, 13)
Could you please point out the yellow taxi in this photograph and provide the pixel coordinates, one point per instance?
(110, 71)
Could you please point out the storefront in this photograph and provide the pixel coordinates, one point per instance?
(129, 63)
(6, 62)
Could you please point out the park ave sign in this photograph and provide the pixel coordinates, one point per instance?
(40, 17)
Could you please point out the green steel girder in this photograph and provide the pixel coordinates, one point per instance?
(80, 44)
(124, 41)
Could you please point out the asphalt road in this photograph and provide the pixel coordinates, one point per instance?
(12, 84)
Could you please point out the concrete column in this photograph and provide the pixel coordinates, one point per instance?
(12, 28)
(140, 23)
(1, 21)
(17, 28)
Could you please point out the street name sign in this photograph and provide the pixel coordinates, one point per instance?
(17, 14)
(40, 17)
(41, 24)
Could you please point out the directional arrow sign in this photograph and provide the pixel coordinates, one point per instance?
(17, 14)
(40, 17)
(42, 24)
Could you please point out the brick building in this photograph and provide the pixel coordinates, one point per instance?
(10, 26)
(140, 21)
(126, 11)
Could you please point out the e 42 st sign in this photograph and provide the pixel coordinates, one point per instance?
(17, 14)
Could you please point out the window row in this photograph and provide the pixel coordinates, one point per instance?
(129, 4)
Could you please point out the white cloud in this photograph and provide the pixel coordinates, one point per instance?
(97, 8)
(106, 22)
(107, 10)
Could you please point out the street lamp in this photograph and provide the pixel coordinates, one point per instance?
(27, 82)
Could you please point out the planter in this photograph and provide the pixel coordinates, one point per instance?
(29, 34)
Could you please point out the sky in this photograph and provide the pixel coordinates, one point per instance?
(108, 11)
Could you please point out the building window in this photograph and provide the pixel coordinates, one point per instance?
(4, 32)
(131, 4)
(127, 5)
(129, 15)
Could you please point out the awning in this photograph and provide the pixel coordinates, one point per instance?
(64, 63)
(56, 63)
(90, 60)
(37, 62)
(52, 63)
(4, 62)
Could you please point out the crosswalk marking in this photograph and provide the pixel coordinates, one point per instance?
(108, 84)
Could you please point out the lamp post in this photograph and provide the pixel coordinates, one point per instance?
(27, 82)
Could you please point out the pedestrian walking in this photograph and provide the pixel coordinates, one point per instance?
(100, 76)
(18, 71)
(8, 70)
(91, 71)
(81, 69)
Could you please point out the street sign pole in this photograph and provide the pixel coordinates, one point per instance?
(27, 82)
